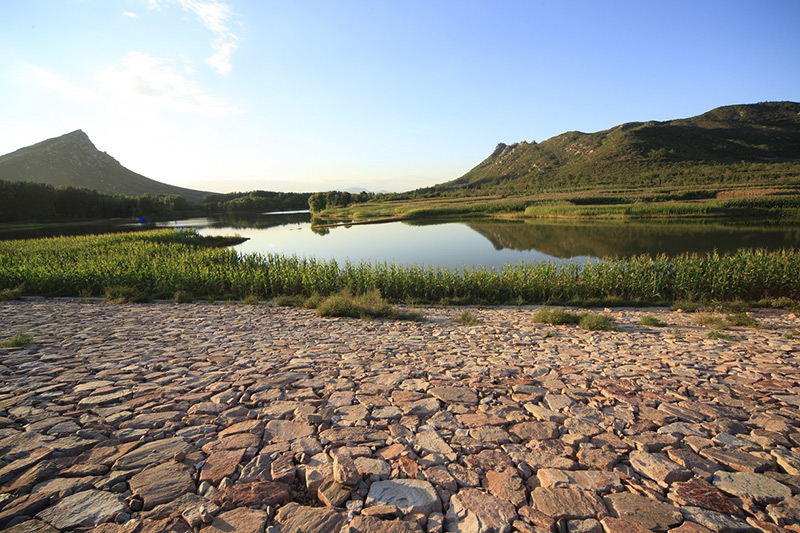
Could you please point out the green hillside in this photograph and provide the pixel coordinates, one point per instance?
(73, 160)
(755, 144)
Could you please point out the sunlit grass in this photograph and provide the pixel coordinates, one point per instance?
(158, 264)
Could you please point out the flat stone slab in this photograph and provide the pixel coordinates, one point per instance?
(89, 508)
(409, 495)
(759, 487)
(155, 452)
(162, 483)
(567, 502)
(646, 512)
(295, 518)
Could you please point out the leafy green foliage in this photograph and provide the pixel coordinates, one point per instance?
(10, 294)
(183, 297)
(742, 320)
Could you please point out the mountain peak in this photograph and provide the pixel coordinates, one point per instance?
(72, 159)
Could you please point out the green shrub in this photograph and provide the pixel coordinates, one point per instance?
(18, 340)
(555, 316)
(369, 304)
(742, 320)
(466, 318)
(710, 320)
(126, 295)
(250, 299)
(183, 297)
(649, 320)
(10, 294)
(595, 322)
(686, 306)
(286, 300)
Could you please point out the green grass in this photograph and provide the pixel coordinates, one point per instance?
(720, 335)
(10, 294)
(157, 264)
(19, 340)
(742, 320)
(710, 320)
(466, 318)
(366, 305)
(595, 322)
(183, 297)
(649, 320)
(250, 299)
(555, 316)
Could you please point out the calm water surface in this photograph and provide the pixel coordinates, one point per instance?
(488, 243)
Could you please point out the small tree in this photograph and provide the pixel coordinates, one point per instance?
(317, 202)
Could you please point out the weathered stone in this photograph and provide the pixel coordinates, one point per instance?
(158, 451)
(162, 483)
(241, 520)
(253, 494)
(454, 394)
(221, 464)
(658, 468)
(27, 505)
(699, 493)
(288, 430)
(473, 511)
(566, 502)
(371, 524)
(717, 521)
(758, 487)
(89, 508)
(506, 485)
(737, 459)
(32, 526)
(295, 518)
(344, 469)
(649, 513)
(409, 495)
(333, 494)
(617, 525)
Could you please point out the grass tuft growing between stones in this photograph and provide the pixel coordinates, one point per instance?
(710, 320)
(595, 322)
(369, 304)
(720, 335)
(121, 294)
(466, 318)
(650, 320)
(742, 320)
(556, 316)
(19, 340)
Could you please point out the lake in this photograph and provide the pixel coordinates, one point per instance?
(486, 242)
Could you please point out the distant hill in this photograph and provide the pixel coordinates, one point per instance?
(72, 159)
(728, 144)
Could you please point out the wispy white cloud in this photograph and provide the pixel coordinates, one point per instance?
(130, 14)
(146, 80)
(215, 16)
(58, 85)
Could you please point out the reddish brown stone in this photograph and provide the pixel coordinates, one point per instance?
(221, 464)
(254, 494)
(27, 505)
(699, 493)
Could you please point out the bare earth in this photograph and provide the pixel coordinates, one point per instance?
(163, 417)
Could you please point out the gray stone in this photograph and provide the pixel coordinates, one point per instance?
(89, 508)
(408, 495)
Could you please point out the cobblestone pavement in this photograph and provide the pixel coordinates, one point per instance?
(214, 417)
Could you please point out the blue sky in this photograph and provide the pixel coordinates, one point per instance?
(235, 95)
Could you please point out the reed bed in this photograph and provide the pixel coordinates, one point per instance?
(161, 263)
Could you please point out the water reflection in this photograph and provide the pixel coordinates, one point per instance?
(454, 244)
